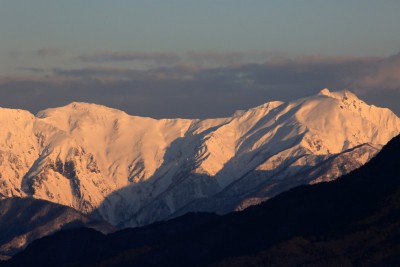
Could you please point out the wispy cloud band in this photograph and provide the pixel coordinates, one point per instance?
(190, 90)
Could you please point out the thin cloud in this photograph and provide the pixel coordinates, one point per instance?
(192, 91)
(42, 52)
(217, 58)
(33, 70)
(384, 74)
(49, 51)
(213, 57)
(198, 58)
(101, 57)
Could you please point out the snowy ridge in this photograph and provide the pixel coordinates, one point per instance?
(132, 170)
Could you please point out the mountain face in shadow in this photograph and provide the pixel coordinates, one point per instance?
(352, 221)
(23, 220)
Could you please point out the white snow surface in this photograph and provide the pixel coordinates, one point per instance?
(133, 170)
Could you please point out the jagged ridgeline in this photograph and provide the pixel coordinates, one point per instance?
(133, 170)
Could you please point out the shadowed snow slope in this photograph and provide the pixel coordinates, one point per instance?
(133, 170)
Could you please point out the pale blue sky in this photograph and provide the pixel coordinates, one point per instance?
(362, 27)
(54, 40)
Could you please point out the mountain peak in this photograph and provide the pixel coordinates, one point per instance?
(340, 95)
(78, 108)
(84, 106)
(325, 91)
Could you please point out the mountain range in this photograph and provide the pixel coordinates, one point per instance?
(132, 171)
(352, 221)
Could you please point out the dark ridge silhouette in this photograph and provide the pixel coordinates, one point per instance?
(353, 221)
(22, 220)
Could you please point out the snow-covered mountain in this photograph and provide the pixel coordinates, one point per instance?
(133, 170)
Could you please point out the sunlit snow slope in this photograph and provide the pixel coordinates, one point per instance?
(133, 170)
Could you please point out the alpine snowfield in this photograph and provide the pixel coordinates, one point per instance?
(133, 171)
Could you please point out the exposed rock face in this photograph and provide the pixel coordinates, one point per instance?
(133, 171)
